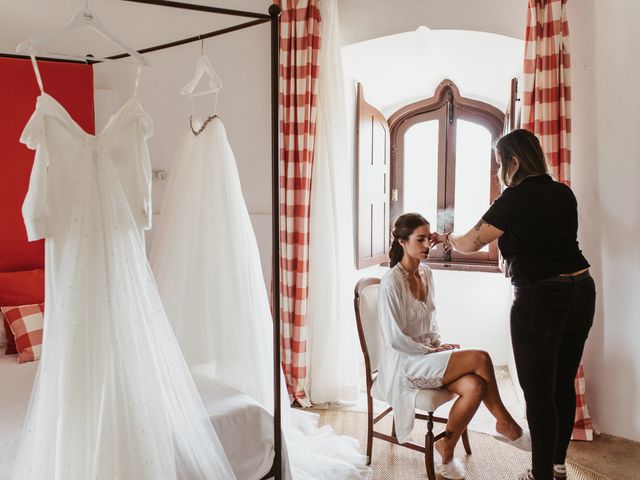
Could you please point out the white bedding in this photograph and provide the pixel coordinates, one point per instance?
(15, 389)
(244, 427)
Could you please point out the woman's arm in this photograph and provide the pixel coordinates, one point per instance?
(480, 235)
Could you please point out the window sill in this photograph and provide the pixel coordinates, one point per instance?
(464, 266)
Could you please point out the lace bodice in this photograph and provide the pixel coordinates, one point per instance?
(418, 321)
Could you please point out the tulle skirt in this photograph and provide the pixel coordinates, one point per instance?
(113, 397)
(207, 265)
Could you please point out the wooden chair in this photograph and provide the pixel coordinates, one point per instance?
(428, 400)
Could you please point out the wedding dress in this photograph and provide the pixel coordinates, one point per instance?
(206, 262)
(113, 397)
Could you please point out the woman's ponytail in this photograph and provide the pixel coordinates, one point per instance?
(396, 252)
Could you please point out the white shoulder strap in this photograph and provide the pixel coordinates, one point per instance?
(135, 88)
(37, 72)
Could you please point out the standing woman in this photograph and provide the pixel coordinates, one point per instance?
(415, 357)
(536, 221)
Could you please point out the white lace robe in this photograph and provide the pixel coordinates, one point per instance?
(410, 332)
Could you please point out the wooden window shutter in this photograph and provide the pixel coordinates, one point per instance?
(512, 114)
(511, 122)
(373, 169)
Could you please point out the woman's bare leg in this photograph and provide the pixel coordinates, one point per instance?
(479, 363)
(471, 389)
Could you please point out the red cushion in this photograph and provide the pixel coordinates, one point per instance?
(26, 323)
(20, 288)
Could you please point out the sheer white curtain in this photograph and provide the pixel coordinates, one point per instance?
(333, 351)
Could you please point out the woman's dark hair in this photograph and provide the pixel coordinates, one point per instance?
(403, 227)
(525, 146)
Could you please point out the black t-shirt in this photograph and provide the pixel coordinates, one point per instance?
(539, 218)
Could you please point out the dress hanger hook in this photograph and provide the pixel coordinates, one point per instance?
(202, 46)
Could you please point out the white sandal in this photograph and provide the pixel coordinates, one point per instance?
(454, 470)
(523, 442)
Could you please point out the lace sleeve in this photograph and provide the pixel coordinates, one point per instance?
(434, 336)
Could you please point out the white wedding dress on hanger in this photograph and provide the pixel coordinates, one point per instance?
(113, 397)
(206, 262)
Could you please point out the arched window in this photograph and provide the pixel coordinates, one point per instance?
(440, 164)
(443, 166)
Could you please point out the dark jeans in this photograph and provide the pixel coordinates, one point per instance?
(550, 322)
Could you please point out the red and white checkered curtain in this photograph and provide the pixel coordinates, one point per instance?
(299, 48)
(546, 111)
(546, 106)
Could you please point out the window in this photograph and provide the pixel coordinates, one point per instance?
(441, 165)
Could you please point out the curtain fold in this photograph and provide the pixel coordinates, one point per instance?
(546, 111)
(332, 336)
(299, 52)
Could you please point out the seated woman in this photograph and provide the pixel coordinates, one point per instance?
(415, 357)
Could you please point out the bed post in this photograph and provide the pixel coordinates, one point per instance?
(274, 12)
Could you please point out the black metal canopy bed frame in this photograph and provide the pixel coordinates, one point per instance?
(272, 16)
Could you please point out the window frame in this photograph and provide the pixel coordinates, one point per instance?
(446, 105)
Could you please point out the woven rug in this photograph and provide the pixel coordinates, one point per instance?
(490, 460)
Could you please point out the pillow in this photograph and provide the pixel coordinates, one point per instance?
(26, 324)
(20, 288)
(3, 333)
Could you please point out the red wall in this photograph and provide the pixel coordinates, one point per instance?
(72, 85)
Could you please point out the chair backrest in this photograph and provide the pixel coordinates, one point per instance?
(366, 309)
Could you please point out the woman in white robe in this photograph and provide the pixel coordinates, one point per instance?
(415, 357)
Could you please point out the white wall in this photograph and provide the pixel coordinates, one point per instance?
(242, 61)
(366, 19)
(606, 168)
(406, 67)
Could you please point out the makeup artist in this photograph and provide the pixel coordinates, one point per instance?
(535, 220)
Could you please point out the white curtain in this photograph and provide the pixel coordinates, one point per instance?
(333, 348)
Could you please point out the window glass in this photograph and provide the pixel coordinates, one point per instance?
(421, 170)
(473, 170)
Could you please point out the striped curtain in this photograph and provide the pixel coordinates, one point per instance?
(299, 48)
(546, 111)
(546, 106)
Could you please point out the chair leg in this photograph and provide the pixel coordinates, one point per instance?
(369, 428)
(428, 449)
(465, 442)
